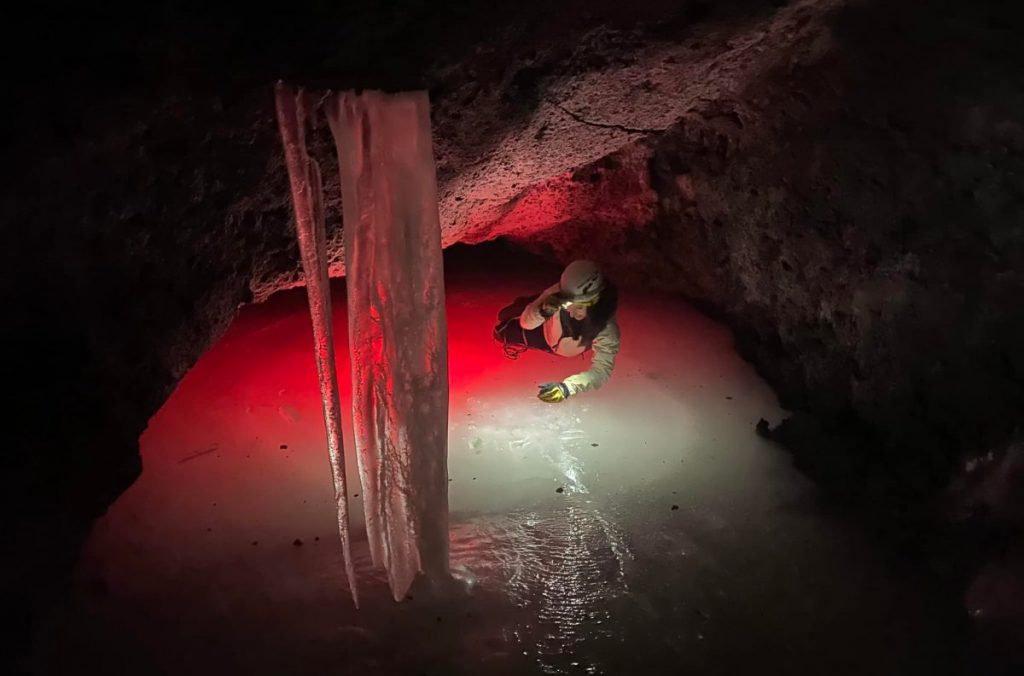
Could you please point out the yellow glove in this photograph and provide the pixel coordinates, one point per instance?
(553, 393)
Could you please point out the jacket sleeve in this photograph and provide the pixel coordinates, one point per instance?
(531, 317)
(605, 347)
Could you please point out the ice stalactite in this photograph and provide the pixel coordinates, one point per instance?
(307, 198)
(397, 328)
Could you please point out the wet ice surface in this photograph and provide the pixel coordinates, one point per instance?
(640, 527)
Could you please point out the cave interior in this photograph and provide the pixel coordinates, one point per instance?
(814, 210)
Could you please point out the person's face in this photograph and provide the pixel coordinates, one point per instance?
(577, 312)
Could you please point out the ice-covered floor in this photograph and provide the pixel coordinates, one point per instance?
(643, 527)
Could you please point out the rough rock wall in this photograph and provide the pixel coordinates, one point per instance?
(857, 214)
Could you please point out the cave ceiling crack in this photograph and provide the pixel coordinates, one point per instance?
(605, 125)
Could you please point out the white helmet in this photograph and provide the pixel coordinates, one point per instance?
(582, 281)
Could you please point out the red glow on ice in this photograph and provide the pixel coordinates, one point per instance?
(256, 388)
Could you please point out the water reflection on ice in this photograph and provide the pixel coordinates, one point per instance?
(640, 527)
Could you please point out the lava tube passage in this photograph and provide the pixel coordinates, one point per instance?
(397, 329)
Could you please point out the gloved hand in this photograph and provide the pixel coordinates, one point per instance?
(549, 307)
(553, 393)
(552, 304)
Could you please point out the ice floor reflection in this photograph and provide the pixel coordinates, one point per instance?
(643, 527)
(562, 562)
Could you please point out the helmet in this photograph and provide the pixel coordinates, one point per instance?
(581, 281)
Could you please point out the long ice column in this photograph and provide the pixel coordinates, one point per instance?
(307, 198)
(397, 328)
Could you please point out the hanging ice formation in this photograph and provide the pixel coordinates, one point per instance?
(397, 329)
(307, 198)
